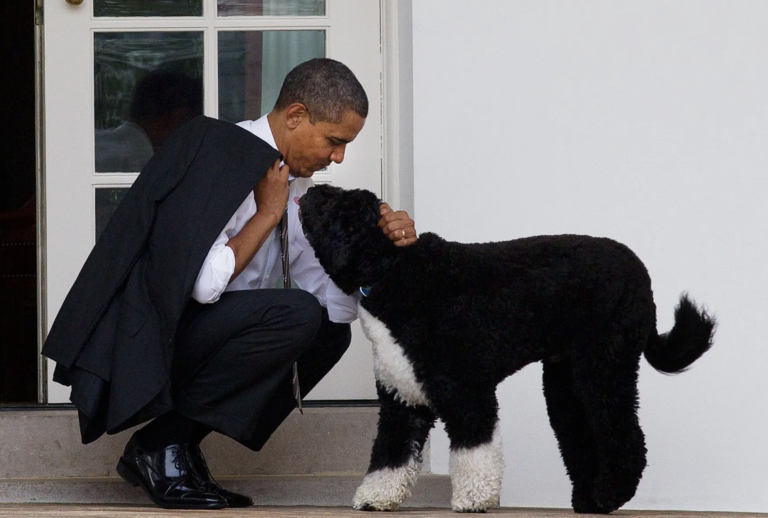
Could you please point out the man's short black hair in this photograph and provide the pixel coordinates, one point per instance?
(326, 87)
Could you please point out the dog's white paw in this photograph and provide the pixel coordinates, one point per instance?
(472, 504)
(476, 476)
(386, 489)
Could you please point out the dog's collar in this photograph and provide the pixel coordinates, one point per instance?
(364, 291)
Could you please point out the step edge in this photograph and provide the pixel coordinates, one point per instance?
(224, 477)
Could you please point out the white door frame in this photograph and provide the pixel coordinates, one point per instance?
(397, 88)
(42, 312)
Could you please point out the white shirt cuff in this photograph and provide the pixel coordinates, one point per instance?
(214, 275)
(342, 309)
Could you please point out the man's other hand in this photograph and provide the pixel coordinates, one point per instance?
(397, 225)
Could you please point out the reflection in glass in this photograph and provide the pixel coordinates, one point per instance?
(147, 8)
(107, 200)
(147, 85)
(253, 65)
(271, 7)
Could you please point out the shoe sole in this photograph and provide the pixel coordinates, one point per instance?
(130, 476)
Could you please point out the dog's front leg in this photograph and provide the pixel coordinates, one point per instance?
(476, 458)
(396, 456)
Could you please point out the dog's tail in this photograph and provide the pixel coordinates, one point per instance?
(691, 336)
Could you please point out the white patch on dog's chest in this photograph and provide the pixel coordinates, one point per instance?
(390, 365)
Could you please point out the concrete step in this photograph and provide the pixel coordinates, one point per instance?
(282, 490)
(318, 458)
(46, 443)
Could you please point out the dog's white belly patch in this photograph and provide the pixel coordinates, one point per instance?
(390, 365)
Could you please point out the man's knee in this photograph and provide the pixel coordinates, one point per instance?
(303, 313)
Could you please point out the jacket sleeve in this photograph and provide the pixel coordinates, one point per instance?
(120, 244)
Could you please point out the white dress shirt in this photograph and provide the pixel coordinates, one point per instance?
(265, 270)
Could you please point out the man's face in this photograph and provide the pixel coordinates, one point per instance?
(313, 147)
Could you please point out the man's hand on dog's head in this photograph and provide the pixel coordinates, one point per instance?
(397, 225)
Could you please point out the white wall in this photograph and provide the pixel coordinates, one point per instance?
(645, 121)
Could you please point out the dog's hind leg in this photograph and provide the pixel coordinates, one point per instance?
(605, 380)
(396, 456)
(574, 435)
(476, 458)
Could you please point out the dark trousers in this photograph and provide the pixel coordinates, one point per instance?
(233, 359)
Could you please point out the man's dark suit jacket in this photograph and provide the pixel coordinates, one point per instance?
(113, 338)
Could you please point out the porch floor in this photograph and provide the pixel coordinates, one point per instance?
(129, 511)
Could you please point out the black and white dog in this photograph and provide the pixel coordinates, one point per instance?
(450, 321)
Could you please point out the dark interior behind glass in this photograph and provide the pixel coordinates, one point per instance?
(18, 246)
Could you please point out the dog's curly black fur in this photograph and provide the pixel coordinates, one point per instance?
(466, 316)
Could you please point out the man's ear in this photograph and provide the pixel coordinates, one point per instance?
(295, 114)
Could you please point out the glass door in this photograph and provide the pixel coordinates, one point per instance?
(122, 75)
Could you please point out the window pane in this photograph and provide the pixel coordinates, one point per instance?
(253, 65)
(148, 7)
(107, 200)
(271, 7)
(147, 85)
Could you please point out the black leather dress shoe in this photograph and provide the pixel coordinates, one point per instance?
(201, 469)
(167, 477)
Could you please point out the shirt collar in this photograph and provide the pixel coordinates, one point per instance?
(261, 129)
